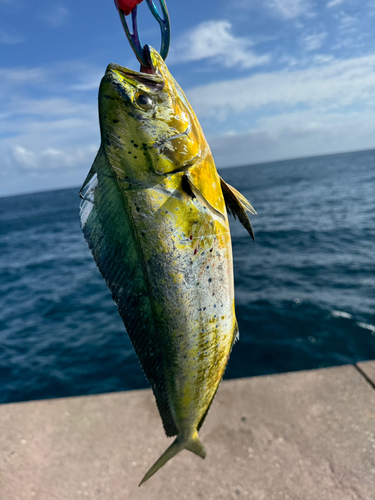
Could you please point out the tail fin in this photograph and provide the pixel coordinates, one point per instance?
(192, 444)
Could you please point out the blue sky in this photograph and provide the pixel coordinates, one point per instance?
(269, 79)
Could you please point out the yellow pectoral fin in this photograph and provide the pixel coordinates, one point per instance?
(204, 183)
(192, 189)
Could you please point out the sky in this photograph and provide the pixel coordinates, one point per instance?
(268, 80)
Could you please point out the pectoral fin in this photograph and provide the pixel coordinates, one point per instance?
(190, 186)
(237, 206)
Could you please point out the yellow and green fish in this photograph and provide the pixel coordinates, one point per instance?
(154, 212)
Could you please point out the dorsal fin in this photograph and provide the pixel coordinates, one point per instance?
(237, 205)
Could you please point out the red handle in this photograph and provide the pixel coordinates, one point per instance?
(127, 5)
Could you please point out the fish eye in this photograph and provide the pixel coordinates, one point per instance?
(144, 101)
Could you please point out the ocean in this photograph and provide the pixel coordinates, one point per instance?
(305, 289)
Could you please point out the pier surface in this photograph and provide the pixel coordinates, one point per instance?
(297, 436)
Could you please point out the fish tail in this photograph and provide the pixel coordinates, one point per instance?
(192, 444)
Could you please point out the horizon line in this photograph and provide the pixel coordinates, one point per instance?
(268, 162)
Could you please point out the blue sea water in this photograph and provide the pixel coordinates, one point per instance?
(305, 290)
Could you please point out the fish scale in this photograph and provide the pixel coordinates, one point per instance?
(155, 217)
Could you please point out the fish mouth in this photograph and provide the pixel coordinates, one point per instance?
(153, 81)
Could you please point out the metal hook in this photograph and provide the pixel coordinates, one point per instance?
(134, 38)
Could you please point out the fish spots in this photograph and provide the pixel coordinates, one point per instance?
(209, 280)
(195, 251)
(208, 267)
(115, 121)
(191, 236)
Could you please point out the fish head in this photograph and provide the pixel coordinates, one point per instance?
(148, 115)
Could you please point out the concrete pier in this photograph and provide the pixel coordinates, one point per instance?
(297, 436)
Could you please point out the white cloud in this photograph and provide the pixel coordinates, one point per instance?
(56, 16)
(334, 85)
(319, 110)
(52, 158)
(9, 77)
(52, 108)
(290, 9)
(9, 39)
(48, 150)
(334, 3)
(49, 131)
(215, 40)
(62, 77)
(293, 135)
(313, 41)
(51, 135)
(350, 34)
(347, 22)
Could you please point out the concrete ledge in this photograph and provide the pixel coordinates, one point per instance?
(300, 436)
(368, 368)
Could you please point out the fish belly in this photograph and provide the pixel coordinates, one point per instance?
(187, 261)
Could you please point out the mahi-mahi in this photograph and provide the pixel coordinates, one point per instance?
(154, 212)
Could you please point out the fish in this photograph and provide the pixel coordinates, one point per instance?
(154, 212)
